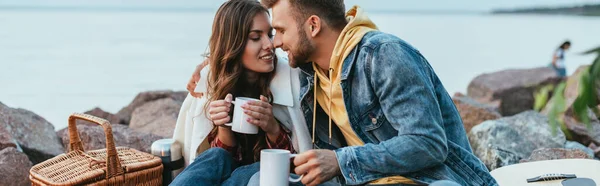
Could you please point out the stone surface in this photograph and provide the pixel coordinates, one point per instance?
(512, 90)
(157, 117)
(124, 114)
(98, 112)
(6, 140)
(556, 153)
(33, 133)
(508, 140)
(473, 112)
(14, 167)
(580, 133)
(93, 137)
(575, 145)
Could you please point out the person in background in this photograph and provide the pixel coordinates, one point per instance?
(558, 59)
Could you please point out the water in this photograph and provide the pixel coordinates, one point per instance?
(58, 62)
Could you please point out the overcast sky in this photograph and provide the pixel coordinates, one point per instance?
(406, 5)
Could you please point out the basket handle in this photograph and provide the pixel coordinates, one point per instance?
(113, 165)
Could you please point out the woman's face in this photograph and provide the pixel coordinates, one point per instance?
(259, 52)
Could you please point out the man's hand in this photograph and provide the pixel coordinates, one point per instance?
(317, 166)
(191, 85)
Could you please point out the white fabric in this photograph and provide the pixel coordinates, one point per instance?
(193, 126)
(560, 59)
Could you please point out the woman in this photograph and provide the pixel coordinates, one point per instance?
(242, 63)
(558, 59)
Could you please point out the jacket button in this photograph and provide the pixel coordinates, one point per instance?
(374, 120)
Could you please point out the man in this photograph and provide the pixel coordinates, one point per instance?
(377, 111)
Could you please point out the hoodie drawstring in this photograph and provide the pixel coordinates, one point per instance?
(314, 111)
(330, 98)
(315, 80)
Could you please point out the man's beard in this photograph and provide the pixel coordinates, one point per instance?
(304, 51)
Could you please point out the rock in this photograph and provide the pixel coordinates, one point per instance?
(98, 112)
(576, 145)
(93, 137)
(556, 153)
(33, 133)
(14, 167)
(580, 133)
(512, 90)
(157, 117)
(507, 140)
(596, 149)
(125, 113)
(6, 140)
(472, 112)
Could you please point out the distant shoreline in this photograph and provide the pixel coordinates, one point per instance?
(583, 10)
(105, 9)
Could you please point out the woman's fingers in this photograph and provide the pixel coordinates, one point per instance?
(223, 121)
(256, 115)
(218, 104)
(264, 98)
(261, 104)
(218, 116)
(218, 109)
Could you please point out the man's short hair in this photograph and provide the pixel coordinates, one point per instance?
(331, 11)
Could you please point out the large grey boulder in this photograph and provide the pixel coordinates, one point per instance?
(142, 98)
(508, 140)
(93, 137)
(157, 117)
(14, 167)
(33, 133)
(511, 90)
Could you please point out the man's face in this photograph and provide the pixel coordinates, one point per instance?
(291, 35)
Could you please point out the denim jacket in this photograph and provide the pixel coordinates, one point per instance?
(396, 105)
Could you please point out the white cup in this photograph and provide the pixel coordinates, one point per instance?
(275, 167)
(239, 123)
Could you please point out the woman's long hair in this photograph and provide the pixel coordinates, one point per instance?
(230, 30)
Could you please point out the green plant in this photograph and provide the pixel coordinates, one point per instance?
(541, 97)
(586, 97)
(587, 94)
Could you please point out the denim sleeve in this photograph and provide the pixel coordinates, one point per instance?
(402, 80)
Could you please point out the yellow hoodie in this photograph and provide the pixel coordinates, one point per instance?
(328, 91)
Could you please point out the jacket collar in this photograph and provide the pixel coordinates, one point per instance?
(281, 85)
(308, 70)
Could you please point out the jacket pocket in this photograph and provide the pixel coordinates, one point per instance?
(376, 127)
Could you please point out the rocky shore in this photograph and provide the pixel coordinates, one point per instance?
(496, 111)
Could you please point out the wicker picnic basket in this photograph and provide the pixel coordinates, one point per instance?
(110, 166)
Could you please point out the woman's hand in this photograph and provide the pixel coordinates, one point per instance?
(261, 115)
(218, 111)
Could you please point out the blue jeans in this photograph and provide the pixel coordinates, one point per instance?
(254, 181)
(216, 166)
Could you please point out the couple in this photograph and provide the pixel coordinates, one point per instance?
(367, 102)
